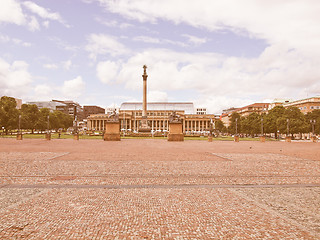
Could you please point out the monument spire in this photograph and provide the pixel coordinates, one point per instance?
(144, 107)
(144, 122)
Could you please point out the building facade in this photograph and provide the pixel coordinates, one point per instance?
(259, 108)
(89, 110)
(305, 105)
(130, 116)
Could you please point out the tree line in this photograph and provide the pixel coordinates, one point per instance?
(32, 118)
(278, 120)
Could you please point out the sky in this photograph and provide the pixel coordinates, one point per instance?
(217, 54)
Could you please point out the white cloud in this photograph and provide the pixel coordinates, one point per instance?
(195, 40)
(11, 12)
(146, 39)
(50, 66)
(33, 24)
(46, 24)
(113, 23)
(43, 92)
(107, 71)
(16, 41)
(157, 96)
(73, 88)
(67, 64)
(286, 21)
(101, 44)
(15, 80)
(44, 13)
(288, 67)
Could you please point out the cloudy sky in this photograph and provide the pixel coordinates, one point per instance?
(217, 54)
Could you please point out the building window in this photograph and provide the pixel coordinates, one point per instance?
(311, 107)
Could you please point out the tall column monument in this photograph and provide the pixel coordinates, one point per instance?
(144, 122)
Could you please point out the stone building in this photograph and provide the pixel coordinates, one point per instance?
(130, 116)
(89, 110)
(305, 105)
(244, 111)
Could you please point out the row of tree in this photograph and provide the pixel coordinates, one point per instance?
(278, 120)
(31, 117)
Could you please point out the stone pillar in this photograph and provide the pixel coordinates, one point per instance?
(175, 132)
(19, 136)
(144, 103)
(183, 126)
(112, 132)
(48, 136)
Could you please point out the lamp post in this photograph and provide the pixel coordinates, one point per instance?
(313, 122)
(19, 134)
(48, 124)
(236, 126)
(19, 124)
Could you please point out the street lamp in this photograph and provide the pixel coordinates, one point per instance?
(313, 122)
(236, 126)
(48, 124)
(19, 124)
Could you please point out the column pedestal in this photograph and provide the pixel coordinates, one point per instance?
(76, 136)
(19, 136)
(48, 136)
(112, 132)
(175, 132)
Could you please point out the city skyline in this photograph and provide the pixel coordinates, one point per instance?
(215, 54)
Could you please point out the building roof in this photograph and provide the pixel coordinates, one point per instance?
(187, 107)
(306, 100)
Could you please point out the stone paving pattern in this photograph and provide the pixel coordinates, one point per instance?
(154, 189)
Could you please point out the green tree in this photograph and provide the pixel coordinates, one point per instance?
(29, 116)
(42, 122)
(251, 124)
(219, 125)
(271, 120)
(311, 116)
(297, 121)
(9, 114)
(235, 117)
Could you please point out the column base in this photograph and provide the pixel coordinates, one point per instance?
(111, 137)
(48, 136)
(175, 137)
(19, 136)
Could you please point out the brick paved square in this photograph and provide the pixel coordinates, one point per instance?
(154, 189)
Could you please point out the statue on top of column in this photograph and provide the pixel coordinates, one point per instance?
(113, 117)
(144, 69)
(174, 117)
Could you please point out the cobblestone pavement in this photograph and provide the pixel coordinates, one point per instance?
(154, 189)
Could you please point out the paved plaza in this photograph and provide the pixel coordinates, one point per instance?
(154, 189)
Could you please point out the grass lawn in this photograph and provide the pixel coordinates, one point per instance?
(67, 136)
